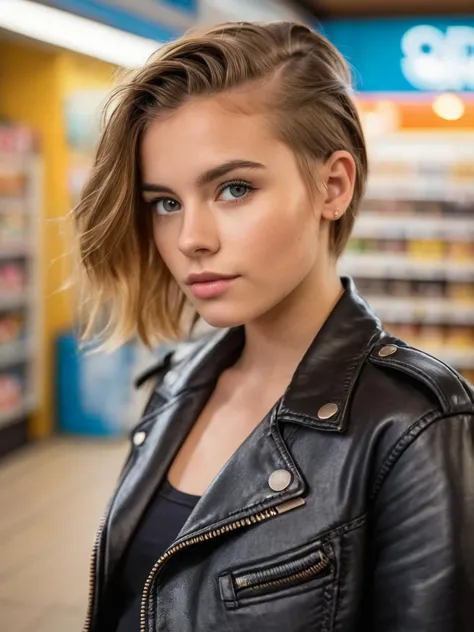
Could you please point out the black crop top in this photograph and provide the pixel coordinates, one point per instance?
(161, 523)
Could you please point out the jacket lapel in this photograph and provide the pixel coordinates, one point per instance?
(325, 376)
(242, 487)
(147, 466)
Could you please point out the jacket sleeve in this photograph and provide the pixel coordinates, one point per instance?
(423, 531)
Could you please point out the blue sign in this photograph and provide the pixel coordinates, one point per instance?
(401, 55)
(124, 19)
(387, 55)
(190, 6)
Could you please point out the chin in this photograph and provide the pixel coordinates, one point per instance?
(224, 316)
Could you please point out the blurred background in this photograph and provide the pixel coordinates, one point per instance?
(412, 253)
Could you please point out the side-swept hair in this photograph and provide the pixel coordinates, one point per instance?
(312, 111)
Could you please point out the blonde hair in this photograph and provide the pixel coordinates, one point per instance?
(313, 112)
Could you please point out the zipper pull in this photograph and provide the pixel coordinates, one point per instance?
(289, 505)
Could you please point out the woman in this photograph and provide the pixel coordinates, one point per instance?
(298, 469)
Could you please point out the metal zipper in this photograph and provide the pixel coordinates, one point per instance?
(250, 520)
(95, 549)
(92, 572)
(272, 512)
(256, 581)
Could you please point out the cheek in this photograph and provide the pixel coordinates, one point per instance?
(165, 243)
(282, 241)
(165, 240)
(158, 239)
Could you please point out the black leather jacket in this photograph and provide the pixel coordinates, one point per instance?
(350, 508)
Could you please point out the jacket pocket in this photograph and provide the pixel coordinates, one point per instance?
(311, 566)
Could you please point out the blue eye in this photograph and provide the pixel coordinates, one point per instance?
(235, 191)
(165, 206)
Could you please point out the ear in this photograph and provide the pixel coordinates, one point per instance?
(339, 174)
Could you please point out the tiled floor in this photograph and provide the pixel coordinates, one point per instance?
(52, 497)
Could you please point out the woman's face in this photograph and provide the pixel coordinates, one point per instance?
(233, 219)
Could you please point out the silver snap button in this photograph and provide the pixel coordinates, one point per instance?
(279, 480)
(388, 350)
(139, 438)
(327, 411)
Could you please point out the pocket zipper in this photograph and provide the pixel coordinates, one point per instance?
(285, 574)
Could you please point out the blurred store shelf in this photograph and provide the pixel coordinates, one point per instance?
(13, 300)
(400, 266)
(18, 412)
(17, 203)
(406, 189)
(14, 251)
(373, 225)
(460, 358)
(422, 310)
(14, 352)
(21, 199)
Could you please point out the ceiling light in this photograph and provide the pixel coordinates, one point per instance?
(75, 33)
(448, 106)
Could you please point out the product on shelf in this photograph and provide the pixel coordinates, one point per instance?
(407, 332)
(463, 171)
(10, 392)
(16, 139)
(11, 327)
(386, 207)
(12, 181)
(469, 375)
(20, 209)
(460, 337)
(391, 245)
(12, 278)
(370, 245)
(462, 292)
(393, 169)
(459, 208)
(460, 251)
(400, 288)
(370, 287)
(427, 208)
(355, 245)
(13, 229)
(431, 336)
(432, 249)
(428, 289)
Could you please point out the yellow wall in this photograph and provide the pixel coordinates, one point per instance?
(33, 85)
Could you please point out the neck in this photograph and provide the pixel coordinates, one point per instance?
(276, 343)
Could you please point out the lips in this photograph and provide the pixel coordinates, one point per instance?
(209, 284)
(208, 277)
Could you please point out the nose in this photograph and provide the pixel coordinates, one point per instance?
(199, 233)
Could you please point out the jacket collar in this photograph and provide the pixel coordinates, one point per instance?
(325, 376)
(328, 372)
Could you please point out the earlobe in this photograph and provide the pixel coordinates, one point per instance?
(339, 184)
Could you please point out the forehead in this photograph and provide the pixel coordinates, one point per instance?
(206, 131)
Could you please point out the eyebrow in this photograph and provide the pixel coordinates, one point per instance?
(209, 176)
